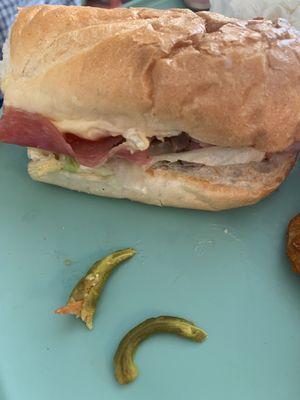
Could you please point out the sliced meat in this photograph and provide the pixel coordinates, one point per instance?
(32, 130)
(92, 153)
(174, 144)
(138, 157)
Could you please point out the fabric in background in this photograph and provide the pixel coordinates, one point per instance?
(270, 9)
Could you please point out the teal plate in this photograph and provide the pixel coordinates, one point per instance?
(226, 271)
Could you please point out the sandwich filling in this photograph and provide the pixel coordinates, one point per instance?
(35, 131)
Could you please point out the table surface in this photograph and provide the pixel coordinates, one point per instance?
(226, 271)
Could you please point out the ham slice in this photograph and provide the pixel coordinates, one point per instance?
(32, 130)
(92, 153)
(138, 157)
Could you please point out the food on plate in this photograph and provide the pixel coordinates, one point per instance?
(85, 295)
(125, 368)
(166, 107)
(70, 164)
(293, 243)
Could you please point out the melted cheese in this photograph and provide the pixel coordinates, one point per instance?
(215, 156)
(93, 130)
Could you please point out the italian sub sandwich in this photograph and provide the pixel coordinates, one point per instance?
(166, 107)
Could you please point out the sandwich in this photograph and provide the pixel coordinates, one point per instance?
(166, 107)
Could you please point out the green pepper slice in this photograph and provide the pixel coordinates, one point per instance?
(126, 370)
(83, 299)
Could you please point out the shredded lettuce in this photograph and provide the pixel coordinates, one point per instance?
(70, 164)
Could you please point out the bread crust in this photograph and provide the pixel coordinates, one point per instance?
(223, 81)
(196, 187)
